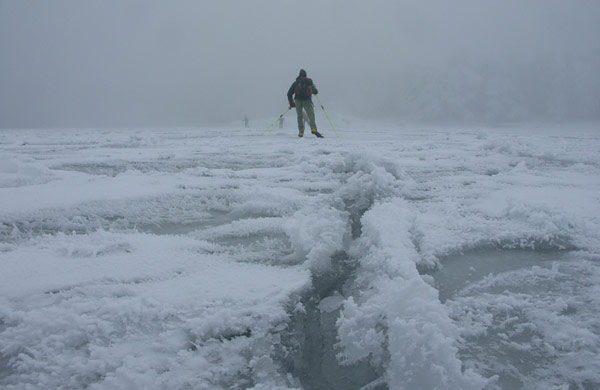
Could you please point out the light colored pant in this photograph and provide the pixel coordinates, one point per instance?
(307, 105)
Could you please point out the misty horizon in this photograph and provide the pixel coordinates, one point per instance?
(133, 63)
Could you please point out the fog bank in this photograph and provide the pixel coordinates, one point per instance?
(150, 63)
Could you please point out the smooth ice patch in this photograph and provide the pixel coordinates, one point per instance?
(528, 317)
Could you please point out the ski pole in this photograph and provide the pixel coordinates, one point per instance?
(275, 121)
(321, 104)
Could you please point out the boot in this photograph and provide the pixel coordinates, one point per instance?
(316, 133)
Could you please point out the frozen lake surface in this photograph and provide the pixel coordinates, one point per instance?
(390, 257)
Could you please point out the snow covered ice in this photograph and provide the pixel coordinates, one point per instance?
(390, 257)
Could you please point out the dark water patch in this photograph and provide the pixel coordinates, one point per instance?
(527, 317)
(118, 167)
(240, 162)
(561, 242)
(102, 169)
(170, 228)
(308, 346)
(180, 214)
(259, 248)
(357, 208)
(460, 270)
(5, 369)
(252, 239)
(23, 230)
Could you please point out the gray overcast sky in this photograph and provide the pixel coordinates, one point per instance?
(144, 63)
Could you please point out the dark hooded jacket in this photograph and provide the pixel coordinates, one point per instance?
(304, 83)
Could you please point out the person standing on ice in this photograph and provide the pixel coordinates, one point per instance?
(299, 96)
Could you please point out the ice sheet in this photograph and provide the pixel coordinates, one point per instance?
(202, 257)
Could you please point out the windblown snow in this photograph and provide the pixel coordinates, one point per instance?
(387, 257)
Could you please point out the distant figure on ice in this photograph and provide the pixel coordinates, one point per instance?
(299, 96)
(281, 120)
(246, 122)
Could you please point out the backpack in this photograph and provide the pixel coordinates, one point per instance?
(304, 89)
